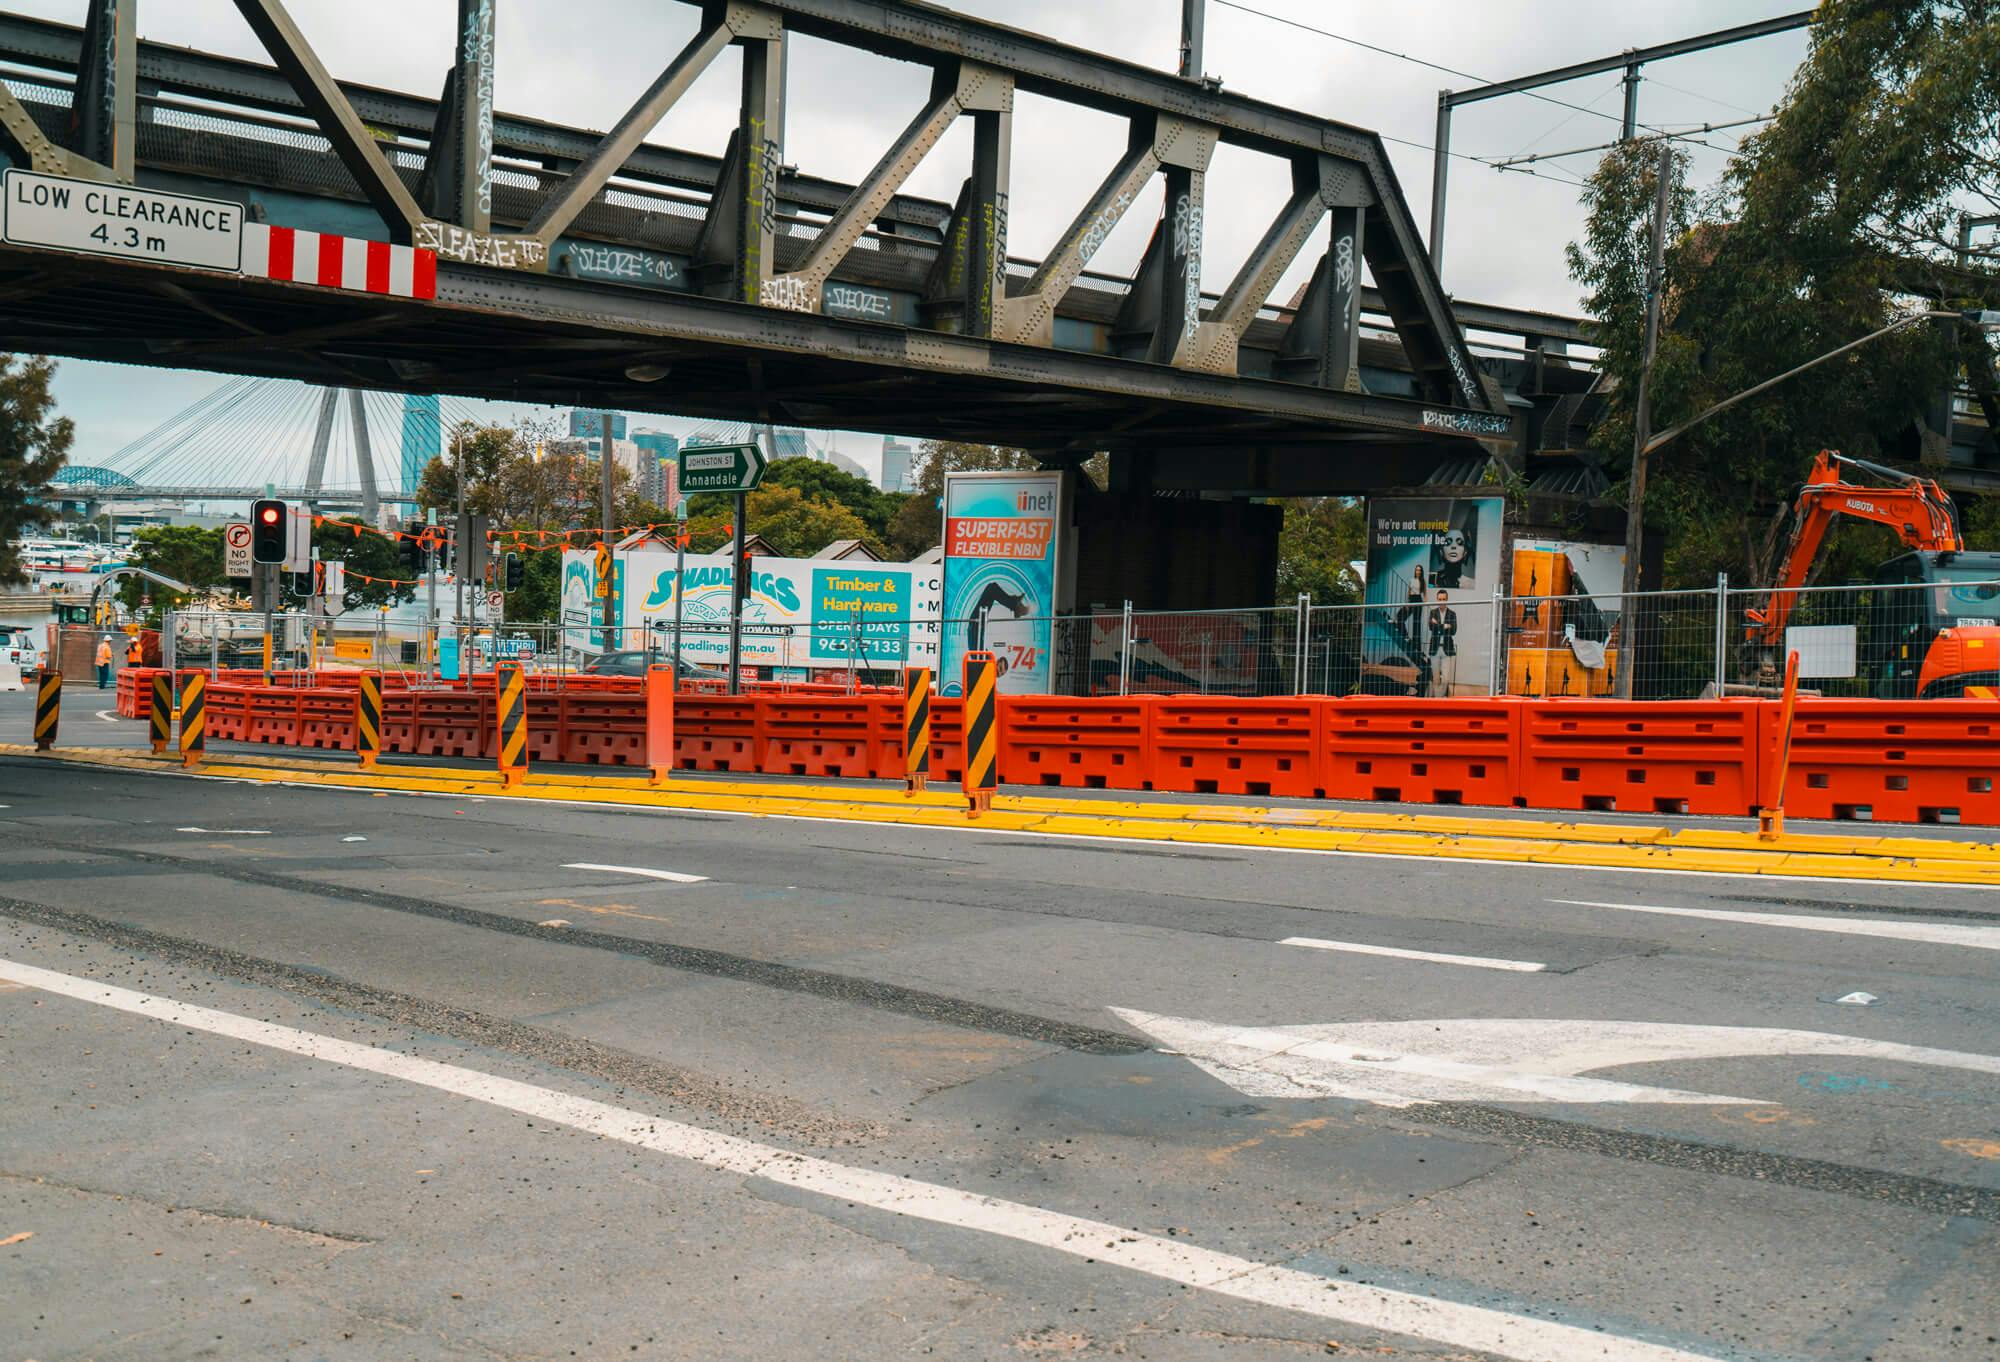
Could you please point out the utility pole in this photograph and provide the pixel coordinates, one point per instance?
(1193, 13)
(613, 617)
(1642, 421)
(458, 550)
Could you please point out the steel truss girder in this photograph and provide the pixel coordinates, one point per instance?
(715, 323)
(1176, 113)
(1028, 316)
(966, 88)
(323, 99)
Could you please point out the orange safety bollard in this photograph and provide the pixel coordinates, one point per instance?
(512, 707)
(368, 719)
(194, 719)
(1771, 816)
(48, 710)
(160, 712)
(660, 681)
(982, 733)
(916, 728)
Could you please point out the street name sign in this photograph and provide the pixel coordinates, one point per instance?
(118, 220)
(236, 550)
(721, 468)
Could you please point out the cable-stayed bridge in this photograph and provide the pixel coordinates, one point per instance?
(338, 448)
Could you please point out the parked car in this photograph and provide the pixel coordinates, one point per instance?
(633, 662)
(17, 645)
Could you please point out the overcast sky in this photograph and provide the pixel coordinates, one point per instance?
(582, 62)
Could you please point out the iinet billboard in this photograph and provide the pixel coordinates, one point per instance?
(984, 537)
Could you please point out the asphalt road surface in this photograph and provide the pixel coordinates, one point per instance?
(306, 1073)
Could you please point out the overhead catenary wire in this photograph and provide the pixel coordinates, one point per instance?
(1510, 162)
(1437, 66)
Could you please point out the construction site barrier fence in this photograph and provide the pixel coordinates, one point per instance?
(1888, 761)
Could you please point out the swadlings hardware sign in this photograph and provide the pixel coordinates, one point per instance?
(798, 612)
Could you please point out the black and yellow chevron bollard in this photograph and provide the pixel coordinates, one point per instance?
(368, 720)
(160, 710)
(982, 733)
(511, 695)
(916, 728)
(194, 719)
(48, 710)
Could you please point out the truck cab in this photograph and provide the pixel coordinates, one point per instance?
(1934, 634)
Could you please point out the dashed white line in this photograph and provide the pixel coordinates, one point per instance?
(674, 875)
(1469, 1327)
(1432, 957)
(229, 832)
(1934, 933)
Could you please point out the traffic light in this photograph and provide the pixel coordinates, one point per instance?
(517, 572)
(416, 553)
(269, 527)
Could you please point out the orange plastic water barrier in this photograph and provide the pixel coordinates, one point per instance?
(819, 736)
(1223, 745)
(1089, 744)
(719, 732)
(1417, 751)
(1935, 761)
(1680, 756)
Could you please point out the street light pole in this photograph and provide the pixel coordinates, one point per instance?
(1635, 500)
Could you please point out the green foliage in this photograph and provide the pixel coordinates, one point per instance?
(793, 525)
(365, 555)
(187, 553)
(1320, 537)
(33, 444)
(540, 596)
(1837, 216)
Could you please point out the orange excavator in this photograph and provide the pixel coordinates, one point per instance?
(1933, 629)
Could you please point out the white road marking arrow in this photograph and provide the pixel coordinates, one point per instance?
(1399, 1064)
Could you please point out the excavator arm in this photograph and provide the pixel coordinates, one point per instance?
(1917, 509)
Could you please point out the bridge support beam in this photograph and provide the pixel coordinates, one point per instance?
(737, 248)
(559, 210)
(1029, 316)
(471, 190)
(1322, 345)
(330, 109)
(969, 280)
(1318, 182)
(103, 114)
(968, 86)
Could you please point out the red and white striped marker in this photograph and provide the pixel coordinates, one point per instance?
(291, 256)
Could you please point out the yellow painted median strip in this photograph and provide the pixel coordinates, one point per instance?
(1465, 838)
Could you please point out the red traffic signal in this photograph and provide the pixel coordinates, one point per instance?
(267, 532)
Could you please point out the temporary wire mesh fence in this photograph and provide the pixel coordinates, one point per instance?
(1893, 640)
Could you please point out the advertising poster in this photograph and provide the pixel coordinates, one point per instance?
(799, 613)
(1562, 623)
(1433, 566)
(1002, 535)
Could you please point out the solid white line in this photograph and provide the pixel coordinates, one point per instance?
(676, 876)
(1155, 843)
(1357, 948)
(1935, 933)
(1450, 1323)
